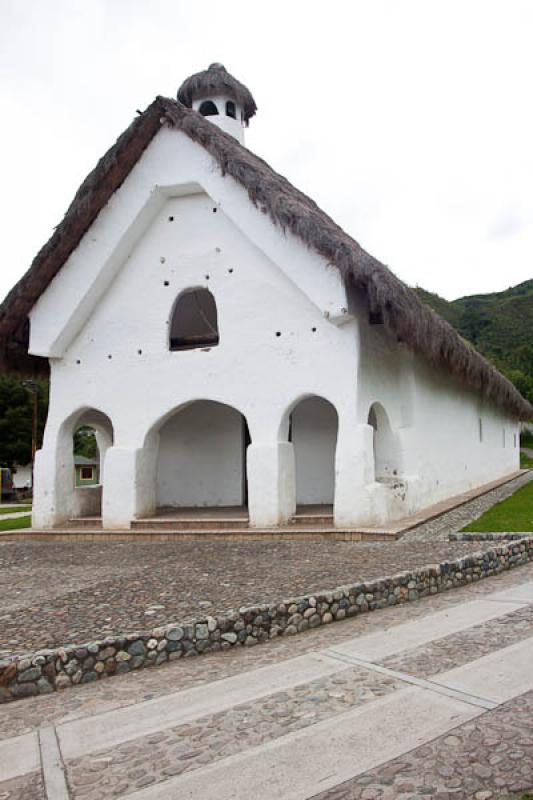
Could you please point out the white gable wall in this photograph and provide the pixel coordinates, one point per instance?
(105, 319)
(177, 223)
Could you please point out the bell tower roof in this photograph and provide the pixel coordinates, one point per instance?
(215, 81)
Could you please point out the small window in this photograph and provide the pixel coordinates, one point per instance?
(87, 473)
(194, 321)
(231, 111)
(208, 109)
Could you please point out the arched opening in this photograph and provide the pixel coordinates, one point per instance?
(313, 432)
(194, 321)
(208, 109)
(231, 110)
(201, 460)
(83, 442)
(387, 451)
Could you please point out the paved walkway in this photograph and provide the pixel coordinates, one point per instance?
(430, 700)
(54, 593)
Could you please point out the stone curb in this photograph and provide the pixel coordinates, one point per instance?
(47, 671)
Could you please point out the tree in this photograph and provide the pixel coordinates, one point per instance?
(85, 442)
(16, 415)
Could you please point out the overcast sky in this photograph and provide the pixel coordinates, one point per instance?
(408, 121)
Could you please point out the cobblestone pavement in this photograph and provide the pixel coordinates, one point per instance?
(84, 701)
(177, 582)
(26, 787)
(460, 648)
(453, 521)
(488, 757)
(142, 762)
(56, 593)
(485, 759)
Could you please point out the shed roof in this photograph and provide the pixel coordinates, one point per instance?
(385, 295)
(216, 80)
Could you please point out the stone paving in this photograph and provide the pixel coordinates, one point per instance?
(489, 757)
(88, 700)
(138, 587)
(56, 593)
(453, 521)
(485, 759)
(460, 648)
(141, 762)
(25, 787)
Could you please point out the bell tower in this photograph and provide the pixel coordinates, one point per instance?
(221, 98)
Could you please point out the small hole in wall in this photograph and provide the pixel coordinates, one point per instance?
(110, 356)
(215, 211)
(139, 352)
(78, 361)
(278, 333)
(171, 219)
(162, 259)
(314, 330)
(166, 283)
(230, 270)
(207, 277)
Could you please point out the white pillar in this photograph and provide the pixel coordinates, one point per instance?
(129, 488)
(271, 483)
(104, 441)
(354, 470)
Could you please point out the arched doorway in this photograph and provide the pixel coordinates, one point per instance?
(201, 461)
(82, 444)
(313, 433)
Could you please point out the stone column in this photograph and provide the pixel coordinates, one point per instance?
(129, 486)
(354, 470)
(271, 484)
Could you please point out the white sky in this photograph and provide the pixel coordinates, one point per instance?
(409, 121)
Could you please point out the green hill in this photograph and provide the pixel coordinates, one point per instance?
(500, 325)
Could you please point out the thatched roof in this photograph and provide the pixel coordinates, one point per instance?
(386, 297)
(216, 80)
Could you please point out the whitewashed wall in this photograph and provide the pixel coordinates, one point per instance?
(201, 460)
(105, 323)
(314, 437)
(285, 334)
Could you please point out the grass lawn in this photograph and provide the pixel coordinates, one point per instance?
(16, 510)
(514, 515)
(525, 461)
(15, 524)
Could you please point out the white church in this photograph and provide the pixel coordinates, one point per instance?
(233, 348)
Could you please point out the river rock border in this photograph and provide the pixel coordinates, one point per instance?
(47, 671)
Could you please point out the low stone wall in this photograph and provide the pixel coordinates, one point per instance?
(50, 670)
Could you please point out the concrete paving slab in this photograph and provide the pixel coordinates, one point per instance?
(19, 756)
(377, 646)
(53, 771)
(518, 594)
(299, 765)
(499, 676)
(106, 730)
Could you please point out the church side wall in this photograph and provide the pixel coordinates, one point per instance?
(444, 437)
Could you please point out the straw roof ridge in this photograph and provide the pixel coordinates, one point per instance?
(216, 80)
(386, 296)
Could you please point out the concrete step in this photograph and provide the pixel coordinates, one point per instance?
(286, 533)
(190, 523)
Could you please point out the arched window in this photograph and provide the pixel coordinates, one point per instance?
(208, 109)
(231, 110)
(194, 321)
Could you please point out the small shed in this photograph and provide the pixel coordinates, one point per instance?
(86, 471)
